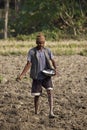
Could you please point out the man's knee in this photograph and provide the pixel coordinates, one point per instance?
(36, 97)
(49, 92)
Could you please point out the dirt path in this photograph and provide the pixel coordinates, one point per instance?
(70, 96)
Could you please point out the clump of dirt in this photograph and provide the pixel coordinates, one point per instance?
(70, 96)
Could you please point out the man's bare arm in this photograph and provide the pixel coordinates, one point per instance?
(26, 68)
(54, 65)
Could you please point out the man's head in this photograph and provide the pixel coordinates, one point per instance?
(40, 40)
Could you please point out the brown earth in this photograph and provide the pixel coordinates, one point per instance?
(70, 96)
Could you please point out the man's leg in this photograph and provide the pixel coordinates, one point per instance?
(36, 103)
(50, 100)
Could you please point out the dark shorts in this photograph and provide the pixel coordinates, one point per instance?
(38, 84)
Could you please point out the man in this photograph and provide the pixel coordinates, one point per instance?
(38, 59)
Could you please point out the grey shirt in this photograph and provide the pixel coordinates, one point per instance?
(42, 61)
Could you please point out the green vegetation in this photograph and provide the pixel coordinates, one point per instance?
(1, 78)
(57, 19)
(67, 47)
(83, 52)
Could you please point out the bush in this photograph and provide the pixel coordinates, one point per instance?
(83, 53)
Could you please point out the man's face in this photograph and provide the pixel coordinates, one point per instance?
(40, 41)
(40, 44)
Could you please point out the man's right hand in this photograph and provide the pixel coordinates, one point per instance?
(18, 78)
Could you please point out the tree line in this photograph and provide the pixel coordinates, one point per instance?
(51, 16)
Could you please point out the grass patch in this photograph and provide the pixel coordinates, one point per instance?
(69, 47)
(1, 78)
(63, 51)
(83, 53)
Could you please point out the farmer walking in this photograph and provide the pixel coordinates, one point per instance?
(39, 59)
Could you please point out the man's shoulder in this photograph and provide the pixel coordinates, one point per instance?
(32, 51)
(47, 49)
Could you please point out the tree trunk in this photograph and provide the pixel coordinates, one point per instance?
(6, 19)
(17, 5)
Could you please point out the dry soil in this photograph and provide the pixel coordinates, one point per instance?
(70, 96)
